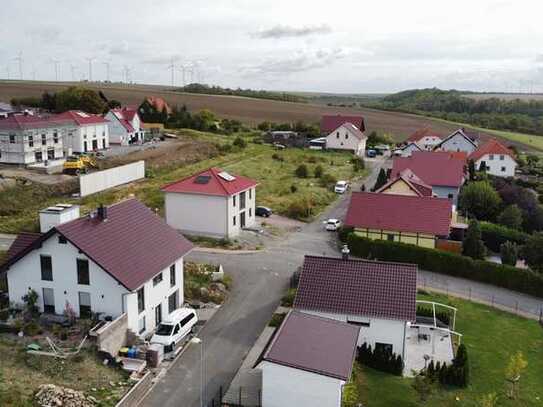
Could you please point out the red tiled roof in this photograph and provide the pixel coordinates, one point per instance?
(22, 122)
(314, 344)
(80, 118)
(415, 183)
(424, 132)
(214, 185)
(402, 213)
(492, 146)
(21, 243)
(125, 117)
(159, 104)
(435, 168)
(331, 122)
(133, 245)
(358, 287)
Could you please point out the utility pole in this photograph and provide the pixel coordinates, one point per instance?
(90, 68)
(107, 70)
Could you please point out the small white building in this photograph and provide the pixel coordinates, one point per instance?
(408, 149)
(120, 259)
(126, 126)
(377, 297)
(494, 158)
(308, 362)
(347, 137)
(211, 203)
(460, 140)
(84, 132)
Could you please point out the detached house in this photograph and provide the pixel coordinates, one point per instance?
(418, 220)
(211, 203)
(443, 171)
(307, 362)
(377, 297)
(425, 139)
(120, 259)
(347, 137)
(84, 131)
(406, 183)
(126, 126)
(460, 140)
(494, 158)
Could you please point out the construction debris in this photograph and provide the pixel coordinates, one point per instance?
(50, 395)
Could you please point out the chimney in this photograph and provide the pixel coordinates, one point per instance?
(345, 252)
(102, 213)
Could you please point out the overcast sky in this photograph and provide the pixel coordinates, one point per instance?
(333, 46)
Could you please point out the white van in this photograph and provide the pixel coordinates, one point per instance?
(174, 328)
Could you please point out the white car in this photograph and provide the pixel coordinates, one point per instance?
(333, 224)
(172, 330)
(341, 187)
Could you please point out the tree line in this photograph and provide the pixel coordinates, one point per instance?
(250, 93)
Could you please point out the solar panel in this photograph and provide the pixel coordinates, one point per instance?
(202, 179)
(225, 176)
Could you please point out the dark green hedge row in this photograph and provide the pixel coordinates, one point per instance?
(438, 261)
(382, 360)
(495, 235)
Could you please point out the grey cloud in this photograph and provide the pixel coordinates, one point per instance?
(539, 58)
(285, 31)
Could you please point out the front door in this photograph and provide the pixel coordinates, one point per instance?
(158, 314)
(84, 305)
(50, 154)
(242, 217)
(38, 156)
(48, 300)
(85, 147)
(94, 145)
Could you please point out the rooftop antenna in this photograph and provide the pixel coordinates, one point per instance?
(19, 59)
(107, 69)
(90, 68)
(171, 67)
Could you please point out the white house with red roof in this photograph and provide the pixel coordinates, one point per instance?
(424, 138)
(494, 158)
(84, 131)
(459, 140)
(347, 136)
(126, 126)
(211, 203)
(121, 259)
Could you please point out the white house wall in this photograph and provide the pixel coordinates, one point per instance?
(105, 292)
(195, 214)
(386, 331)
(337, 140)
(89, 133)
(446, 192)
(23, 151)
(457, 143)
(284, 386)
(501, 165)
(117, 132)
(233, 230)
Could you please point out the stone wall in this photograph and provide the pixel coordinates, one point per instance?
(135, 395)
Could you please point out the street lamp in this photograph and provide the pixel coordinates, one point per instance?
(200, 342)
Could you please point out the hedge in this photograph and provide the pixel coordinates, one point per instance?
(512, 278)
(495, 235)
(382, 360)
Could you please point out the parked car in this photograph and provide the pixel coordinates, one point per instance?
(175, 328)
(333, 224)
(371, 153)
(263, 211)
(341, 187)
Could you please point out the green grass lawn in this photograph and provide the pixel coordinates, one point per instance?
(19, 205)
(491, 337)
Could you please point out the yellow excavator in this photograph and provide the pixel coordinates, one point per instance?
(79, 164)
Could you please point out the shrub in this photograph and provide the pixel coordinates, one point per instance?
(301, 171)
(31, 328)
(511, 217)
(532, 252)
(509, 253)
(495, 235)
(358, 164)
(277, 157)
(473, 246)
(525, 281)
(428, 312)
(239, 142)
(327, 180)
(319, 171)
(479, 199)
(277, 319)
(312, 159)
(293, 188)
(300, 209)
(288, 298)
(379, 359)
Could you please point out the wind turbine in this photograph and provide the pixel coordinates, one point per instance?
(90, 67)
(19, 59)
(182, 70)
(126, 71)
(33, 73)
(73, 69)
(57, 69)
(107, 69)
(8, 71)
(172, 68)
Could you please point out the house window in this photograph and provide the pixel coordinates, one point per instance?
(503, 169)
(62, 240)
(172, 302)
(141, 299)
(346, 136)
(48, 295)
(157, 279)
(242, 200)
(250, 212)
(46, 265)
(234, 220)
(337, 134)
(84, 305)
(83, 272)
(12, 139)
(502, 157)
(383, 347)
(141, 325)
(234, 200)
(491, 156)
(172, 275)
(43, 139)
(250, 193)
(450, 196)
(30, 141)
(55, 137)
(390, 237)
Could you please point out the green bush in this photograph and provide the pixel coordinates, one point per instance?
(495, 235)
(319, 171)
(239, 142)
(509, 253)
(438, 261)
(288, 298)
(277, 319)
(358, 163)
(379, 359)
(293, 188)
(301, 171)
(327, 180)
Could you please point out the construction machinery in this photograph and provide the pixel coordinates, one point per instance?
(79, 164)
